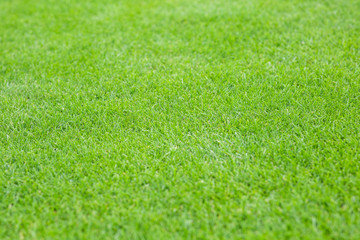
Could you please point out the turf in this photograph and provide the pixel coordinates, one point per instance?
(179, 119)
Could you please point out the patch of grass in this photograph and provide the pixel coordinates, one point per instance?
(172, 119)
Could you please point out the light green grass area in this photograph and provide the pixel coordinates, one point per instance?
(179, 119)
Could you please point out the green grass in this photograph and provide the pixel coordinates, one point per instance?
(179, 119)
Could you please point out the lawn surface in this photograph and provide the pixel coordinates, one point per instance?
(179, 119)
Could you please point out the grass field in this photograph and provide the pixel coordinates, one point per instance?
(179, 119)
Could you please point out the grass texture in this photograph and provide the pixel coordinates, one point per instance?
(179, 119)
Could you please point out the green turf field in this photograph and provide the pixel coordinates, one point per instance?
(179, 119)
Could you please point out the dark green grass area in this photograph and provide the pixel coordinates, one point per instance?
(179, 119)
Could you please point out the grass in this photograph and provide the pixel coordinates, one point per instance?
(179, 119)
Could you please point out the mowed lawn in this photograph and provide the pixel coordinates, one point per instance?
(179, 119)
